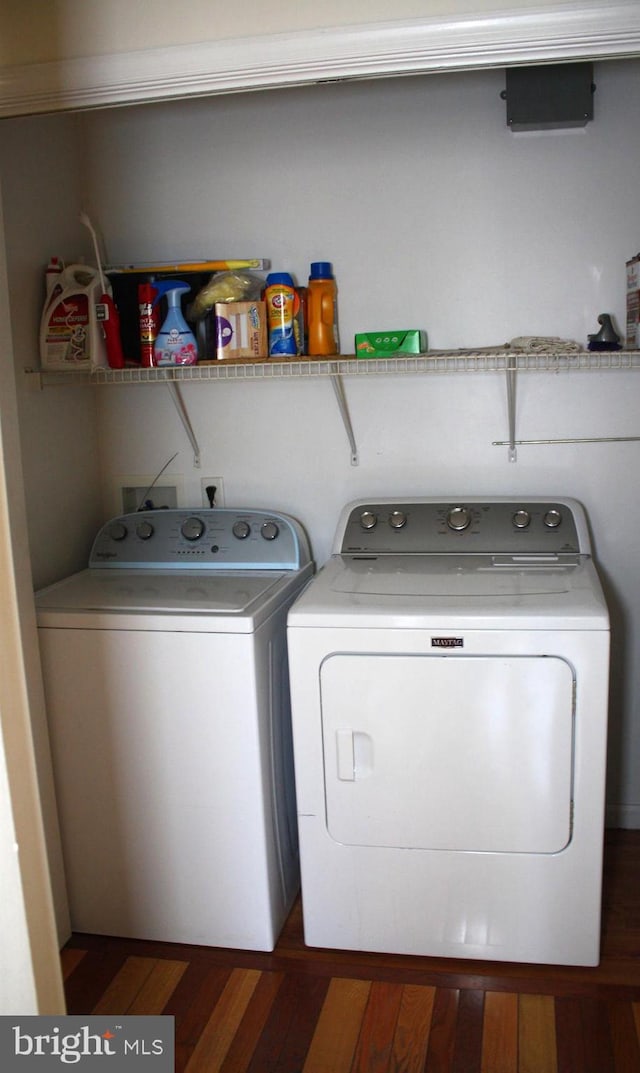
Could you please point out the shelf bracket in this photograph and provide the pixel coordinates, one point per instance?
(569, 440)
(511, 406)
(338, 387)
(178, 401)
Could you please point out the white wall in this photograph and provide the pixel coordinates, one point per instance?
(432, 210)
(435, 216)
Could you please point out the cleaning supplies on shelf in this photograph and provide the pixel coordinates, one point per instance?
(385, 344)
(148, 321)
(241, 330)
(229, 316)
(106, 310)
(282, 304)
(175, 343)
(71, 336)
(301, 323)
(322, 310)
(157, 268)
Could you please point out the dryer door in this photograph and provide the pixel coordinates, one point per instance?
(448, 752)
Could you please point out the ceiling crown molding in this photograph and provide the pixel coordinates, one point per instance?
(572, 31)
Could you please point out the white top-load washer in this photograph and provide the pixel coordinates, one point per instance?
(449, 685)
(165, 671)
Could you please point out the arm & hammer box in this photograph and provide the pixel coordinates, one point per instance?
(240, 330)
(386, 344)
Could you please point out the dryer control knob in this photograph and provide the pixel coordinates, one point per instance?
(521, 519)
(269, 530)
(397, 519)
(192, 528)
(241, 530)
(144, 530)
(459, 518)
(552, 519)
(117, 531)
(368, 520)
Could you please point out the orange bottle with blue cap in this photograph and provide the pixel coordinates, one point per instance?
(322, 309)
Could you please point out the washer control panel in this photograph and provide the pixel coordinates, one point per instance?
(207, 539)
(476, 526)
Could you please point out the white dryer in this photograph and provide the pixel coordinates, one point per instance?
(165, 671)
(449, 684)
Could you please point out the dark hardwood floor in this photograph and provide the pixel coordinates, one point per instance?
(298, 1010)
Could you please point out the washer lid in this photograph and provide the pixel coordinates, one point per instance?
(173, 592)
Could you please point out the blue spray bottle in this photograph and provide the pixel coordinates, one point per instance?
(175, 343)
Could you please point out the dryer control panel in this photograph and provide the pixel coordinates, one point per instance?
(208, 539)
(531, 526)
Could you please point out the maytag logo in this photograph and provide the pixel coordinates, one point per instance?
(447, 642)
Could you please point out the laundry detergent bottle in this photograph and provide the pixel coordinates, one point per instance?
(175, 343)
(322, 313)
(71, 337)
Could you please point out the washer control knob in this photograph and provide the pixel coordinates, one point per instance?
(521, 519)
(241, 530)
(552, 518)
(269, 530)
(117, 530)
(459, 518)
(397, 519)
(192, 528)
(144, 530)
(368, 520)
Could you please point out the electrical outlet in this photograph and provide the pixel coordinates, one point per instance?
(206, 484)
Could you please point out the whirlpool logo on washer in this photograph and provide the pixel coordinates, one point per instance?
(447, 642)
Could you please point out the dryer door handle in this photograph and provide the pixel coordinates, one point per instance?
(354, 754)
(345, 755)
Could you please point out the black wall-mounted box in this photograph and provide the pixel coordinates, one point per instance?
(549, 97)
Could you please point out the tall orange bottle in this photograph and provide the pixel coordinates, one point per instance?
(322, 309)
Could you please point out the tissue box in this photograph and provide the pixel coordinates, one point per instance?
(240, 330)
(384, 344)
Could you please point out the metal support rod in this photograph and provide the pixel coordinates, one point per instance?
(338, 387)
(511, 406)
(576, 439)
(178, 402)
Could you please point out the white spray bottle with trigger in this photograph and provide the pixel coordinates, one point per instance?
(175, 343)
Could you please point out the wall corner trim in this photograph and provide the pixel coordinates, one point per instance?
(588, 29)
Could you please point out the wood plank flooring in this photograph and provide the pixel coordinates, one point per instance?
(298, 1010)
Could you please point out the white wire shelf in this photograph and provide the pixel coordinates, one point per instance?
(502, 360)
(436, 361)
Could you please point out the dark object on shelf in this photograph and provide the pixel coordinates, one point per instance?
(607, 338)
